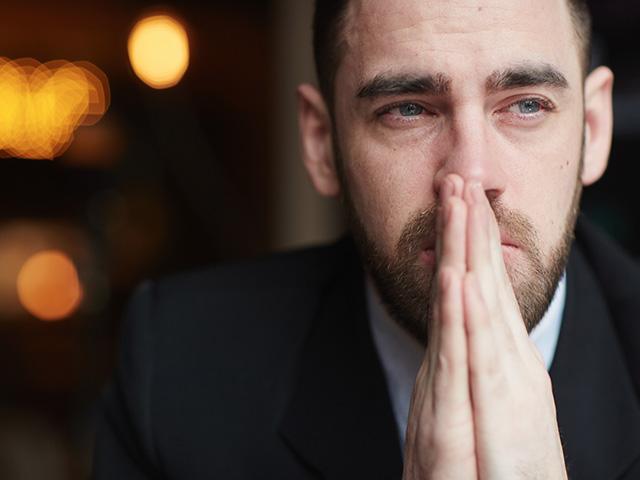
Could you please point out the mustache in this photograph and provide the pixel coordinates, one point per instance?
(421, 230)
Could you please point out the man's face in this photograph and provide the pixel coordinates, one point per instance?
(491, 91)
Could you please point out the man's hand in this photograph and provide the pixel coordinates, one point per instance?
(440, 440)
(482, 405)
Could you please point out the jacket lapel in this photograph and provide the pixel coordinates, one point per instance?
(598, 412)
(339, 419)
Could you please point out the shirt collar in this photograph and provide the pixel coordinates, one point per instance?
(401, 354)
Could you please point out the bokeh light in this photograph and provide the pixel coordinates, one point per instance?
(159, 51)
(41, 105)
(48, 286)
(20, 239)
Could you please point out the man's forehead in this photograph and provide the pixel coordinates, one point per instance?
(373, 15)
(380, 35)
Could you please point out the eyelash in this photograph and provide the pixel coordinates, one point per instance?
(388, 108)
(546, 107)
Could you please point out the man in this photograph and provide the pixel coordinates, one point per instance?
(459, 136)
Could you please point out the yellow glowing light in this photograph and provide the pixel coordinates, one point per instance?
(48, 286)
(41, 105)
(159, 51)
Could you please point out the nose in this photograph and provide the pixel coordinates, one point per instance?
(470, 149)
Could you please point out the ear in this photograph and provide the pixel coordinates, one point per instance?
(598, 124)
(314, 122)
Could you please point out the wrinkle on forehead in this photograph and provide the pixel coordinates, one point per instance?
(401, 18)
(412, 27)
(399, 13)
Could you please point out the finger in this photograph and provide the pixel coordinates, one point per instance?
(449, 250)
(444, 194)
(498, 393)
(478, 245)
(452, 186)
(483, 354)
(504, 289)
(448, 415)
(451, 379)
(486, 258)
(452, 239)
(457, 185)
(495, 243)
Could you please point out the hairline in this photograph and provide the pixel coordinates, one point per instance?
(581, 33)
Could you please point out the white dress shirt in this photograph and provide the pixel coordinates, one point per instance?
(401, 354)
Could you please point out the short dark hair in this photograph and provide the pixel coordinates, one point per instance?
(328, 27)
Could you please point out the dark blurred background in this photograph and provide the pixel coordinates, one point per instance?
(206, 171)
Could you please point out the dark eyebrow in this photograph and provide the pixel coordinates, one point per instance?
(526, 76)
(387, 85)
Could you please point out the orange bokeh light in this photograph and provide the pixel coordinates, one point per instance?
(159, 51)
(41, 105)
(48, 286)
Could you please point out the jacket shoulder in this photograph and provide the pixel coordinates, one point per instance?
(274, 297)
(618, 275)
(302, 268)
(205, 363)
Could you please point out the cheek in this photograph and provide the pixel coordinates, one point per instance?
(544, 183)
(388, 184)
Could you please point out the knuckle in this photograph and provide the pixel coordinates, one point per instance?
(443, 364)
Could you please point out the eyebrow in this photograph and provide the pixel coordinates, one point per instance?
(387, 85)
(526, 76)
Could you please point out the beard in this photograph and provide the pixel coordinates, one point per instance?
(406, 285)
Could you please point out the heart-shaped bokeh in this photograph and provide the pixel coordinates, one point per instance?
(41, 105)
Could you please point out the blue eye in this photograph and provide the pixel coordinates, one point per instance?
(410, 110)
(529, 111)
(529, 106)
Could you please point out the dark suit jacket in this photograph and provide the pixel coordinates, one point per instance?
(267, 370)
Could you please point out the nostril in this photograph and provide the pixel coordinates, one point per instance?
(492, 195)
(450, 184)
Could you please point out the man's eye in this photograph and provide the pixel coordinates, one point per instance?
(405, 115)
(528, 106)
(410, 110)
